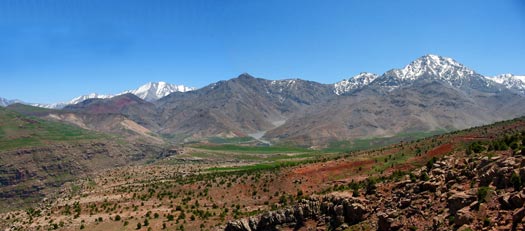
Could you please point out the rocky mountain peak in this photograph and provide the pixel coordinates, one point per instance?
(358, 81)
(436, 68)
(245, 75)
(433, 65)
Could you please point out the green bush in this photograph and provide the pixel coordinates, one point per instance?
(482, 194)
(430, 163)
(424, 177)
(477, 147)
(515, 180)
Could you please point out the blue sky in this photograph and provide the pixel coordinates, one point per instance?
(54, 50)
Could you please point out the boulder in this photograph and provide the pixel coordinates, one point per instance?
(517, 217)
(504, 202)
(387, 221)
(429, 186)
(463, 216)
(459, 200)
(404, 203)
(516, 200)
(508, 162)
(502, 178)
(383, 222)
(522, 173)
(355, 213)
(238, 225)
(487, 176)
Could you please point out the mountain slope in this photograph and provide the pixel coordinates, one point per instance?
(124, 115)
(37, 156)
(237, 107)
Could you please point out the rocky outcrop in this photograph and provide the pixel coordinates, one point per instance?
(27, 174)
(337, 211)
(460, 191)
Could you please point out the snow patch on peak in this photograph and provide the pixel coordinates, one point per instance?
(510, 81)
(358, 81)
(433, 65)
(89, 96)
(155, 90)
(285, 83)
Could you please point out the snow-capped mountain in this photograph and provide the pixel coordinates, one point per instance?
(358, 81)
(6, 102)
(73, 101)
(433, 68)
(90, 96)
(433, 65)
(150, 92)
(431, 93)
(430, 67)
(155, 90)
(436, 68)
(510, 81)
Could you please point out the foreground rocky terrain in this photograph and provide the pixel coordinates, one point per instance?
(474, 193)
(478, 187)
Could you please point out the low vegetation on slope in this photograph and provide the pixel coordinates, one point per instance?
(202, 188)
(18, 131)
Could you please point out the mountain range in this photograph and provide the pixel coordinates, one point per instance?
(150, 92)
(430, 94)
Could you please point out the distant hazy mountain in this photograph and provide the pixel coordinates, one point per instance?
(5, 102)
(150, 92)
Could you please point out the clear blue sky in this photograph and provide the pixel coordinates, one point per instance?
(54, 50)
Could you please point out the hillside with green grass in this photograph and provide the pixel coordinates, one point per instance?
(38, 156)
(18, 131)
